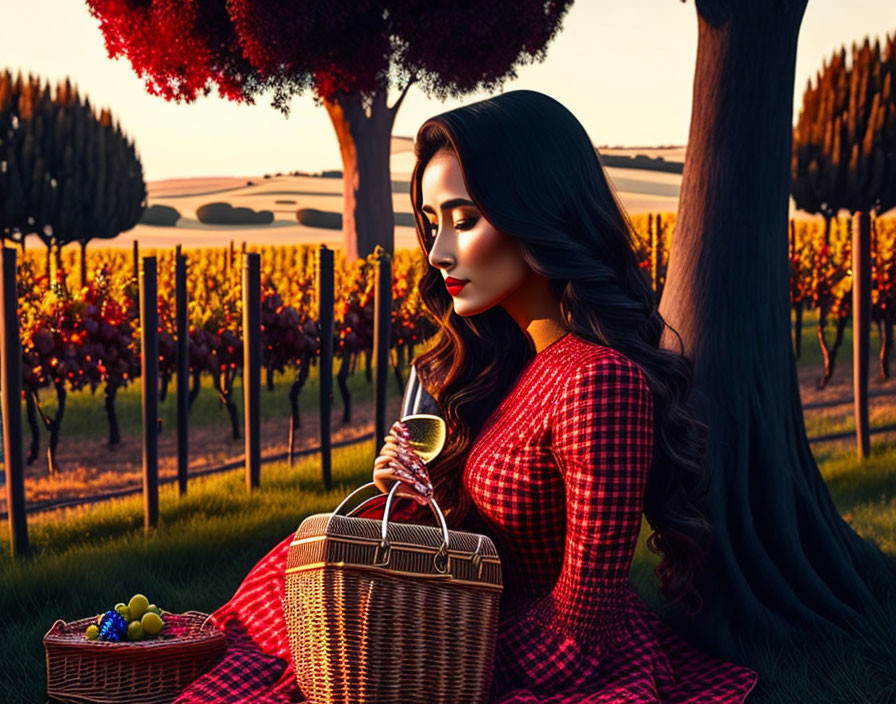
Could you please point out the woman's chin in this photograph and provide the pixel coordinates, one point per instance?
(465, 310)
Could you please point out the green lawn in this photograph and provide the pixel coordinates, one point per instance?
(88, 559)
(85, 413)
(810, 352)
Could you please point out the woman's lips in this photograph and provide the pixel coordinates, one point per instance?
(454, 285)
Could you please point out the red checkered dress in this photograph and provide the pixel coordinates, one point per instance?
(557, 477)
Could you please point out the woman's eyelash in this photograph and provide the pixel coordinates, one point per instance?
(462, 224)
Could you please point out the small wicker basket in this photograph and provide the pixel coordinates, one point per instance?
(152, 671)
(391, 613)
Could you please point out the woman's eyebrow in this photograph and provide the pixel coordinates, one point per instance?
(448, 204)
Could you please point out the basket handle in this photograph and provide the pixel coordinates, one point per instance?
(200, 613)
(442, 553)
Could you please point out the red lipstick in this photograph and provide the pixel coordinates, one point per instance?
(454, 285)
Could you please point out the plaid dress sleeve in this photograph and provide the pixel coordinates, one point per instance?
(602, 440)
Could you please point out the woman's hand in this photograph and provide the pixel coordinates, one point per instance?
(398, 462)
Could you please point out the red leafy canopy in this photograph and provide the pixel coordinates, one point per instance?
(179, 47)
(246, 46)
(460, 47)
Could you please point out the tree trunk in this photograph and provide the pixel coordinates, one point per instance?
(886, 345)
(783, 562)
(111, 415)
(341, 380)
(164, 381)
(83, 263)
(223, 382)
(395, 359)
(60, 269)
(365, 138)
(31, 414)
(55, 425)
(295, 420)
(195, 387)
(822, 342)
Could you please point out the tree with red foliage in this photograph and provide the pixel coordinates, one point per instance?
(348, 54)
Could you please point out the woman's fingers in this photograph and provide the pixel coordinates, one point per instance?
(400, 430)
(397, 461)
(385, 474)
(406, 457)
(402, 473)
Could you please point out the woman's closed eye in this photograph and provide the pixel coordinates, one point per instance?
(464, 224)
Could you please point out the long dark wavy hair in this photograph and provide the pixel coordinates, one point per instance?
(532, 171)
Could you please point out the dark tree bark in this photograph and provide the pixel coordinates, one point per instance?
(365, 139)
(368, 365)
(195, 386)
(164, 383)
(396, 367)
(829, 352)
(295, 420)
(885, 331)
(83, 263)
(110, 392)
(342, 381)
(783, 563)
(53, 425)
(223, 383)
(31, 414)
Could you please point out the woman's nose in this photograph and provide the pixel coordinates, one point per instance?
(439, 258)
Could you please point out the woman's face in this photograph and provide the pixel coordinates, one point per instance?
(466, 245)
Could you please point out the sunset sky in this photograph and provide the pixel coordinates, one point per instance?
(625, 69)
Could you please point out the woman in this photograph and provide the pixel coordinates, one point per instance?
(566, 419)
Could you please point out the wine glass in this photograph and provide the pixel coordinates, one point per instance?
(426, 428)
(427, 434)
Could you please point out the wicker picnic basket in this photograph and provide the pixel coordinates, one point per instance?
(390, 612)
(152, 671)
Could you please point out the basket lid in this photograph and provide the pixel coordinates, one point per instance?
(329, 539)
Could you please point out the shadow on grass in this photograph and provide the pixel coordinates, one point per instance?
(88, 559)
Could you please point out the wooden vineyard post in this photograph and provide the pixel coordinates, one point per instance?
(11, 381)
(149, 374)
(382, 319)
(861, 324)
(251, 262)
(183, 368)
(325, 297)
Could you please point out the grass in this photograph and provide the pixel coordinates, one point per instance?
(833, 669)
(810, 352)
(85, 413)
(87, 559)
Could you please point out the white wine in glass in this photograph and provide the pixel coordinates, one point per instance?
(427, 434)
